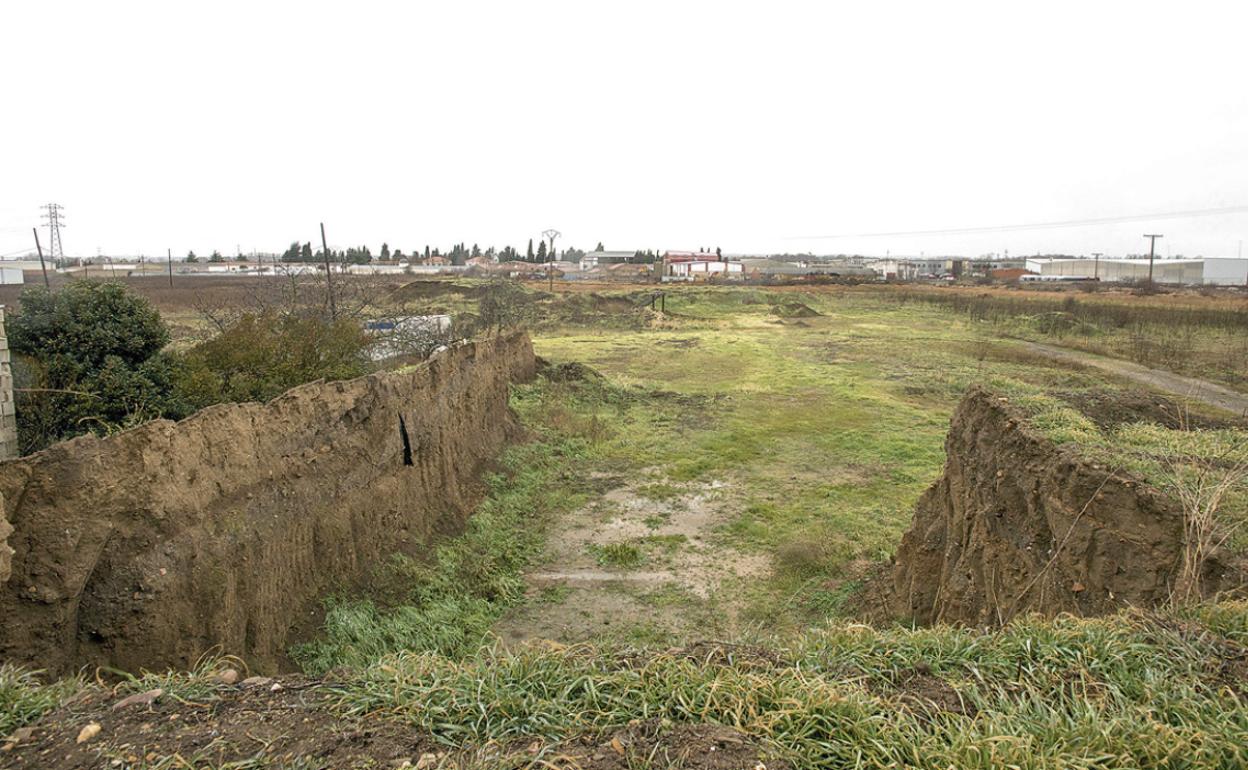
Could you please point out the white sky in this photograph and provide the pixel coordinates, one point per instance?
(667, 125)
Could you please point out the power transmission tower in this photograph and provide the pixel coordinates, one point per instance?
(551, 235)
(54, 216)
(1152, 249)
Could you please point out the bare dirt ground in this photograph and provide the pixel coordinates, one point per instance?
(642, 559)
(1190, 388)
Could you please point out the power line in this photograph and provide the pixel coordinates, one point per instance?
(1035, 225)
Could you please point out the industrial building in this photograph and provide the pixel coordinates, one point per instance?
(1198, 271)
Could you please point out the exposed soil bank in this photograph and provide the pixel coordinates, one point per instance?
(1019, 524)
(150, 547)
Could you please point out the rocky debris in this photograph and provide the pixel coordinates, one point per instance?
(1017, 524)
(226, 677)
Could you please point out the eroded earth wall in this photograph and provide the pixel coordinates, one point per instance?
(148, 548)
(1018, 524)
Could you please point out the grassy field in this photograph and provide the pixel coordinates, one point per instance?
(730, 471)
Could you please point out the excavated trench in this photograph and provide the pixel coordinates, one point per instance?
(152, 547)
(1018, 524)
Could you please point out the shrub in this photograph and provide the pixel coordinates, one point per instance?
(89, 360)
(260, 357)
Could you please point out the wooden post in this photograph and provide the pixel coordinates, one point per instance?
(329, 281)
(42, 265)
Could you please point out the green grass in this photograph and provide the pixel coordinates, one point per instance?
(450, 604)
(617, 555)
(1124, 691)
(25, 696)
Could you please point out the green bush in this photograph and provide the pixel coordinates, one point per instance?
(89, 360)
(260, 357)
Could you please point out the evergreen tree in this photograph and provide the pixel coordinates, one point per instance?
(600, 247)
(529, 256)
(216, 257)
(385, 252)
(541, 251)
(305, 254)
(190, 257)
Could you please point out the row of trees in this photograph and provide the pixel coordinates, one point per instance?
(459, 254)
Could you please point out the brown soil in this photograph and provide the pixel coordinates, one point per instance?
(255, 723)
(431, 289)
(685, 585)
(150, 547)
(236, 724)
(6, 553)
(1017, 524)
(1111, 408)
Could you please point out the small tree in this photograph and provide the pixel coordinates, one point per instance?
(89, 360)
(216, 257)
(385, 252)
(190, 257)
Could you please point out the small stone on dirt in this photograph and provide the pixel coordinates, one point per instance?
(139, 699)
(20, 735)
(256, 681)
(88, 732)
(227, 677)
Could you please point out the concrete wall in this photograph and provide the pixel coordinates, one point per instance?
(152, 546)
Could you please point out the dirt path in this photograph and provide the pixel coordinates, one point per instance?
(642, 560)
(1204, 391)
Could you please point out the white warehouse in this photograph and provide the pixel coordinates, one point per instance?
(1199, 271)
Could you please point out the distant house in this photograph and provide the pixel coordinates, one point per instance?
(601, 258)
(690, 266)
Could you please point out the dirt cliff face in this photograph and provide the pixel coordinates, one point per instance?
(150, 547)
(1017, 524)
(6, 553)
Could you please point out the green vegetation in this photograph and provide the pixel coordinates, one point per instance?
(24, 696)
(89, 359)
(448, 605)
(94, 357)
(260, 357)
(618, 555)
(1194, 335)
(1125, 691)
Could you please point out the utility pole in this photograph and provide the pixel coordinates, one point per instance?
(54, 216)
(42, 266)
(329, 281)
(1096, 264)
(1152, 251)
(169, 256)
(551, 235)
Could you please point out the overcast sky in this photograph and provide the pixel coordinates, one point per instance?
(664, 125)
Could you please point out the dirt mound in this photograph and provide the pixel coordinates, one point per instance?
(569, 371)
(420, 290)
(1017, 524)
(150, 547)
(793, 309)
(1109, 409)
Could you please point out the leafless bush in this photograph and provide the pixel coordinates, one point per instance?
(1201, 485)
